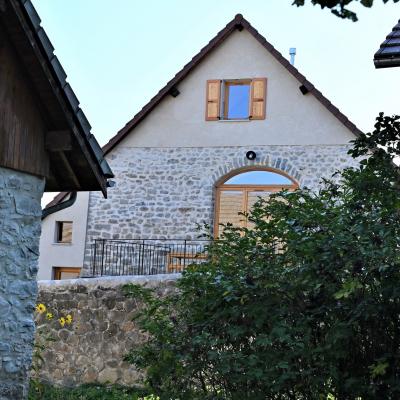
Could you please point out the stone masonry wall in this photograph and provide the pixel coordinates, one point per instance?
(92, 347)
(165, 192)
(20, 222)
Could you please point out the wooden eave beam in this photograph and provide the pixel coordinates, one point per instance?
(68, 169)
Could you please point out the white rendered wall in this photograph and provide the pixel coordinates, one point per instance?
(291, 117)
(54, 254)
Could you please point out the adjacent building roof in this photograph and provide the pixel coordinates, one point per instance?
(388, 54)
(238, 23)
(83, 168)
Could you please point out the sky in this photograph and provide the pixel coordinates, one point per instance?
(118, 54)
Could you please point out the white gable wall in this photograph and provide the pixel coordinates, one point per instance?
(53, 254)
(292, 118)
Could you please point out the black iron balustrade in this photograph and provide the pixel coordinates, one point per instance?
(111, 257)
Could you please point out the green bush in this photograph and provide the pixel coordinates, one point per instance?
(304, 306)
(88, 392)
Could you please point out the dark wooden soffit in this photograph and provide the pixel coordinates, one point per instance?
(83, 163)
(388, 54)
(239, 22)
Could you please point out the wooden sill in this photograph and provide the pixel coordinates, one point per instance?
(235, 120)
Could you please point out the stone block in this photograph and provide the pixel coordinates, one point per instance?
(108, 375)
(92, 348)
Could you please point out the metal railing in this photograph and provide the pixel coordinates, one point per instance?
(110, 257)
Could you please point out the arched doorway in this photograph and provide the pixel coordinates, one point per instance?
(239, 191)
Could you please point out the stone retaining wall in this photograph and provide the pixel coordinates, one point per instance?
(91, 349)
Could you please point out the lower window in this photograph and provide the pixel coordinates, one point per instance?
(66, 273)
(240, 192)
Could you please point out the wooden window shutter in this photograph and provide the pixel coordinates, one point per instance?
(257, 98)
(213, 99)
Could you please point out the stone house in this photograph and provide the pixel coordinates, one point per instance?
(45, 145)
(237, 122)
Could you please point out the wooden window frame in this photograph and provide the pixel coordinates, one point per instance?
(58, 232)
(59, 270)
(222, 99)
(225, 98)
(221, 187)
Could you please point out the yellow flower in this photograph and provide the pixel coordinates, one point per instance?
(41, 308)
(61, 321)
(68, 319)
(49, 316)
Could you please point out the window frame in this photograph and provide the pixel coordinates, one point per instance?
(58, 232)
(57, 271)
(225, 85)
(217, 99)
(221, 187)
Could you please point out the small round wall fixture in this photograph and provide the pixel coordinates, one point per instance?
(251, 155)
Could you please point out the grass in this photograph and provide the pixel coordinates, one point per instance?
(87, 392)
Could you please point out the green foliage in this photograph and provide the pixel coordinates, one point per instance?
(338, 7)
(304, 306)
(89, 392)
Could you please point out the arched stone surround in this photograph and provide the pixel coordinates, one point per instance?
(165, 192)
(230, 170)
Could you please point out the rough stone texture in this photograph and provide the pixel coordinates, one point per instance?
(20, 224)
(162, 193)
(91, 349)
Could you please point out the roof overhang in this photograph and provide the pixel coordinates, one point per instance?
(387, 62)
(77, 161)
(388, 54)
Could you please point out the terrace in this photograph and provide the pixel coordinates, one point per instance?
(111, 257)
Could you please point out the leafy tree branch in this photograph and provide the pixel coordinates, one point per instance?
(339, 7)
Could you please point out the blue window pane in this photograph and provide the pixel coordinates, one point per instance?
(259, 178)
(238, 101)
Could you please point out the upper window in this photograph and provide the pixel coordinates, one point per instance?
(63, 232)
(236, 99)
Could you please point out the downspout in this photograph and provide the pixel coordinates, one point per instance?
(60, 206)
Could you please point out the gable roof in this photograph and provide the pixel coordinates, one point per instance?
(85, 164)
(238, 23)
(388, 54)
